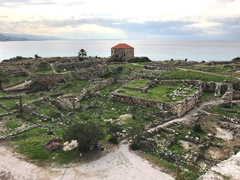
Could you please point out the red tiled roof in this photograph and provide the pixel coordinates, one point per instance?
(122, 46)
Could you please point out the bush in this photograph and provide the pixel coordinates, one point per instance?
(113, 140)
(114, 128)
(197, 128)
(87, 134)
(139, 59)
(134, 146)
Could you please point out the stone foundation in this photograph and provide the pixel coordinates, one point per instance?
(178, 108)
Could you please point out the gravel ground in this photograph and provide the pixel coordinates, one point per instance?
(121, 164)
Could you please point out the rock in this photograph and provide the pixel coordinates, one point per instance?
(124, 117)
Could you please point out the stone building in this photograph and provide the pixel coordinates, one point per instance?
(122, 52)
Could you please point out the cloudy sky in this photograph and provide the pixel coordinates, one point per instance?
(124, 19)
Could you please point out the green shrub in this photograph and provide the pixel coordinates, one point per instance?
(197, 128)
(139, 59)
(87, 134)
(113, 140)
(134, 146)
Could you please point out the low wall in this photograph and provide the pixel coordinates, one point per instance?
(9, 113)
(9, 97)
(47, 80)
(133, 100)
(29, 110)
(236, 95)
(102, 85)
(178, 108)
(74, 65)
(182, 107)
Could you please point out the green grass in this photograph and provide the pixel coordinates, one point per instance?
(212, 69)
(13, 79)
(188, 75)
(33, 148)
(48, 109)
(137, 83)
(98, 108)
(206, 96)
(45, 72)
(236, 74)
(13, 124)
(74, 86)
(157, 93)
(11, 103)
(172, 167)
(108, 89)
(229, 112)
(2, 111)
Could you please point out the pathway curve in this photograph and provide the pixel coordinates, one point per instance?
(189, 114)
(19, 86)
(118, 165)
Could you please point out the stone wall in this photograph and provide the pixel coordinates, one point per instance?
(133, 100)
(75, 65)
(9, 97)
(47, 80)
(29, 110)
(9, 113)
(178, 108)
(236, 95)
(102, 85)
(182, 107)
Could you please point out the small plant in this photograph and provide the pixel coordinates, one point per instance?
(113, 140)
(197, 128)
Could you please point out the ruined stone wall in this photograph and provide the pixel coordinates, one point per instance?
(236, 95)
(102, 85)
(29, 110)
(75, 65)
(47, 80)
(182, 107)
(133, 100)
(178, 108)
(9, 97)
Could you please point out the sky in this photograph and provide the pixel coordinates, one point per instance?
(123, 19)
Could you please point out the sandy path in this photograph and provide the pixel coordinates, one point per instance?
(188, 115)
(53, 69)
(20, 86)
(121, 164)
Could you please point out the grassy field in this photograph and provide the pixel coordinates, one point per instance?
(188, 75)
(137, 83)
(158, 93)
(45, 72)
(74, 86)
(213, 69)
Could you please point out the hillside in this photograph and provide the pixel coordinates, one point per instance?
(182, 116)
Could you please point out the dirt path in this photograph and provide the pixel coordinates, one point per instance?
(188, 115)
(20, 86)
(53, 69)
(121, 164)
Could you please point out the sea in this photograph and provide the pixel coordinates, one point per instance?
(156, 50)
